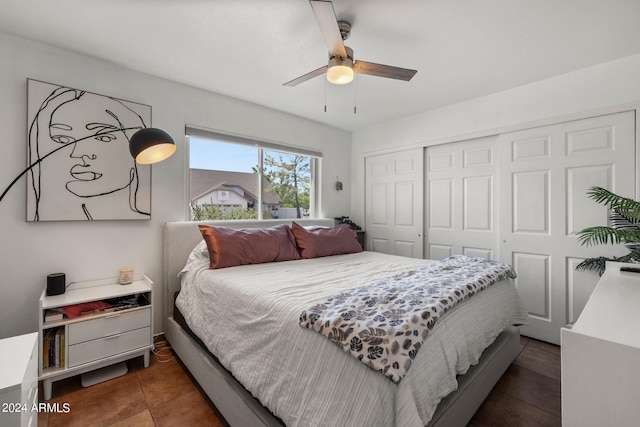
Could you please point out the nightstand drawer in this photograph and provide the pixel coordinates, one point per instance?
(89, 351)
(115, 323)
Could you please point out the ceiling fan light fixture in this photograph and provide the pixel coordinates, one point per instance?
(340, 71)
(340, 74)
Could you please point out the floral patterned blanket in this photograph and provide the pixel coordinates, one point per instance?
(383, 324)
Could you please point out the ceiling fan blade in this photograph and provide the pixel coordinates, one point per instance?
(380, 70)
(307, 76)
(326, 17)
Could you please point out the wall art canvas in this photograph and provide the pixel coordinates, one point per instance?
(78, 144)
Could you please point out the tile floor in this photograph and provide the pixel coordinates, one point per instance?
(163, 394)
(166, 395)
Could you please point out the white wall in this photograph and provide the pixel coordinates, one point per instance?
(604, 88)
(93, 250)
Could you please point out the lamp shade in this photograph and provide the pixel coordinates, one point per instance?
(151, 145)
(340, 69)
(340, 74)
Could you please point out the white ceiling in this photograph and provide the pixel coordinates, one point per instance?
(248, 48)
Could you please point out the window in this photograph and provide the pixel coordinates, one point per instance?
(233, 177)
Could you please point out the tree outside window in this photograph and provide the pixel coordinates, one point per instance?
(290, 178)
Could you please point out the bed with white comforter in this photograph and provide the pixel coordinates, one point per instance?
(248, 317)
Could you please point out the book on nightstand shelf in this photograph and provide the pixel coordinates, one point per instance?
(53, 348)
(53, 314)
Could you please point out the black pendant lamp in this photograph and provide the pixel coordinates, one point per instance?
(151, 145)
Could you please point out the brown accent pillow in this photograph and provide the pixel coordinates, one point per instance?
(318, 242)
(229, 247)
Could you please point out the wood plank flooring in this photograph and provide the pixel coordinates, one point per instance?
(166, 395)
(528, 394)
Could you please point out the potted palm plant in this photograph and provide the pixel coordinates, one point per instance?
(624, 219)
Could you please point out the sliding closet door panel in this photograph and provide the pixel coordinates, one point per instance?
(581, 211)
(441, 204)
(439, 251)
(477, 252)
(405, 192)
(477, 197)
(379, 204)
(533, 282)
(376, 244)
(461, 203)
(531, 202)
(530, 149)
(546, 173)
(394, 203)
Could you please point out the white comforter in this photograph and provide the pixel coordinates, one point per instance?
(248, 317)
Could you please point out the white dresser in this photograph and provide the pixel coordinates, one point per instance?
(601, 355)
(19, 381)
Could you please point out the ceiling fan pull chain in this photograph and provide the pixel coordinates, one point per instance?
(355, 100)
(325, 95)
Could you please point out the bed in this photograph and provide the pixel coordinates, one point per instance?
(327, 384)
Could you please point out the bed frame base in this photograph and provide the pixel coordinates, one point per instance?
(235, 403)
(458, 408)
(240, 408)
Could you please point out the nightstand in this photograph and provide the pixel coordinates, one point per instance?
(19, 380)
(360, 237)
(95, 339)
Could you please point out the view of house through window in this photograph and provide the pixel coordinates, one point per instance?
(235, 181)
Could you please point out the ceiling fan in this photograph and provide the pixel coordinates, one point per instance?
(341, 65)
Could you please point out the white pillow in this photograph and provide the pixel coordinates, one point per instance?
(197, 255)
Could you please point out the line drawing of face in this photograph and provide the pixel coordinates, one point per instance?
(103, 164)
(93, 176)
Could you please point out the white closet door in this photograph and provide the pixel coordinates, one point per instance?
(545, 173)
(394, 202)
(461, 203)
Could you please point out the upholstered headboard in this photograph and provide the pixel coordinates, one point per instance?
(181, 237)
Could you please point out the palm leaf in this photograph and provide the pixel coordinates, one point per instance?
(624, 217)
(599, 264)
(594, 264)
(628, 207)
(604, 235)
(620, 221)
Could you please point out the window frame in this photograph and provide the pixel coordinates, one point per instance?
(315, 157)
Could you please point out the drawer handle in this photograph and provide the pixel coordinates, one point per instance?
(112, 337)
